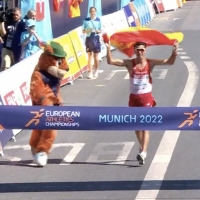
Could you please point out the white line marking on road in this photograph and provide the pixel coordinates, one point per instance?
(110, 75)
(184, 57)
(120, 70)
(114, 72)
(127, 76)
(165, 150)
(175, 19)
(122, 153)
(181, 53)
(180, 49)
(76, 148)
(25, 147)
(11, 158)
(162, 74)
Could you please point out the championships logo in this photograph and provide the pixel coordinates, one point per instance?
(54, 118)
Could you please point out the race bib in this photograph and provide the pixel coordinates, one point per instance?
(140, 82)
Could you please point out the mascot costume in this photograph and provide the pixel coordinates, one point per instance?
(45, 91)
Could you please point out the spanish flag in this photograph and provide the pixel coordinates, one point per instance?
(74, 9)
(56, 5)
(125, 39)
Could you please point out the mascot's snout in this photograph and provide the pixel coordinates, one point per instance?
(58, 73)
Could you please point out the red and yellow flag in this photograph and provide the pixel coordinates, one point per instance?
(74, 8)
(125, 39)
(56, 5)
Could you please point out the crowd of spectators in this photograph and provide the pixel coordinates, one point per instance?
(18, 36)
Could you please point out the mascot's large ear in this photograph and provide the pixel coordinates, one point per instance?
(46, 47)
(54, 48)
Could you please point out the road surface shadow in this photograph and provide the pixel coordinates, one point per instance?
(100, 186)
(28, 163)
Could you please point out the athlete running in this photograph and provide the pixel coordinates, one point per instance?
(139, 70)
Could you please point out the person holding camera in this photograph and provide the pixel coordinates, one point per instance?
(12, 18)
(29, 40)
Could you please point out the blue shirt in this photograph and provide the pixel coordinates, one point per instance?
(94, 24)
(21, 27)
(32, 46)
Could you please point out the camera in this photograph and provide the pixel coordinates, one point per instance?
(7, 16)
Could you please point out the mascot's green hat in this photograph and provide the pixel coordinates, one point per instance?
(55, 49)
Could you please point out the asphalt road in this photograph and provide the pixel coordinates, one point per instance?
(102, 165)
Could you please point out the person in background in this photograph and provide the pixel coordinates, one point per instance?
(8, 31)
(16, 43)
(2, 30)
(29, 40)
(92, 27)
(139, 70)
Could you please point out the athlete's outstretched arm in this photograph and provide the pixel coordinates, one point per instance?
(116, 62)
(169, 61)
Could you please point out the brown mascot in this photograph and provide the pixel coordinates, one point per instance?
(45, 91)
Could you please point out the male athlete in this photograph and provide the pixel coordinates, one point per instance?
(139, 70)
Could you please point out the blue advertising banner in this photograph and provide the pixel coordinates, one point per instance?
(99, 118)
(5, 134)
(143, 11)
(146, 10)
(140, 13)
(129, 16)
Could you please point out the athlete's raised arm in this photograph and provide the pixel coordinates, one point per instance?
(168, 61)
(117, 62)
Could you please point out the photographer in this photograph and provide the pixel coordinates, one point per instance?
(11, 20)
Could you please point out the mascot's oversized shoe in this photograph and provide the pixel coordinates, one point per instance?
(41, 158)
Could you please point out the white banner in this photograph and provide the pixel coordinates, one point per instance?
(150, 8)
(15, 83)
(112, 23)
(170, 4)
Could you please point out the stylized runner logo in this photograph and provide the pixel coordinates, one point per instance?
(1, 128)
(36, 118)
(190, 119)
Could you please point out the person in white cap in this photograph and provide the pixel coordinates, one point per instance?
(29, 40)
